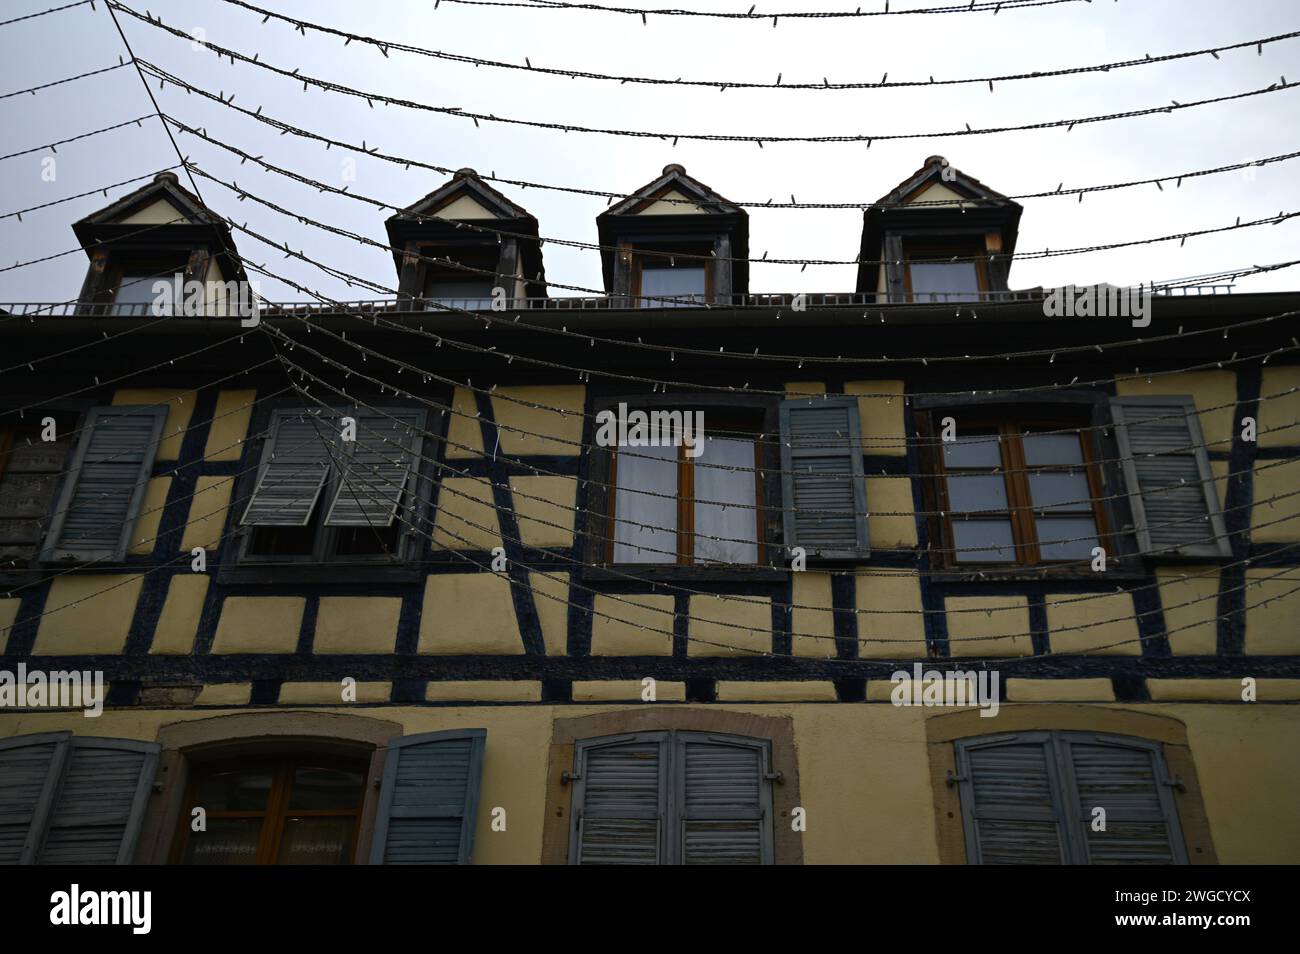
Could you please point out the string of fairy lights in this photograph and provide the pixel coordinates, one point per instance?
(422, 509)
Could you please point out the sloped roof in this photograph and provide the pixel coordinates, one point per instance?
(674, 178)
(933, 171)
(165, 186)
(466, 182)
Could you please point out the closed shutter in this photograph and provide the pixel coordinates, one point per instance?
(379, 466)
(725, 801)
(620, 802)
(295, 464)
(101, 801)
(30, 767)
(824, 493)
(101, 498)
(68, 799)
(1171, 487)
(1009, 800)
(428, 803)
(1126, 779)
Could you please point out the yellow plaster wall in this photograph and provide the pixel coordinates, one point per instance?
(179, 622)
(1181, 585)
(883, 424)
(551, 597)
(158, 212)
(469, 613)
(464, 434)
(1279, 415)
(1271, 627)
(891, 523)
(817, 626)
(1006, 618)
(467, 516)
(632, 625)
(560, 430)
(1110, 628)
(87, 614)
(259, 624)
(1275, 516)
(144, 536)
(898, 633)
(737, 626)
(229, 426)
(357, 624)
(544, 507)
(208, 507)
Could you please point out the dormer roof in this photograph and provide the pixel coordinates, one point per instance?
(935, 198)
(160, 214)
(674, 206)
(465, 197)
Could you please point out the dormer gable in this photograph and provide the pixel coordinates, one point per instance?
(479, 241)
(161, 232)
(927, 229)
(672, 243)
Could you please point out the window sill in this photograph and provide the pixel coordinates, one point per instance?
(613, 573)
(1131, 570)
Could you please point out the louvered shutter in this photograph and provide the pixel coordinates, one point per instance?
(1127, 779)
(101, 497)
(1171, 487)
(1010, 800)
(724, 800)
(100, 802)
(428, 803)
(621, 800)
(30, 767)
(295, 465)
(824, 493)
(380, 463)
(68, 799)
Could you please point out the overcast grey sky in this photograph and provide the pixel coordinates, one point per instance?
(945, 46)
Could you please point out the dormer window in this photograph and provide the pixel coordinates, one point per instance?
(932, 275)
(135, 296)
(662, 279)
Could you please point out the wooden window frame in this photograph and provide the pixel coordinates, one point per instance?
(685, 537)
(277, 809)
(918, 251)
(638, 256)
(1010, 429)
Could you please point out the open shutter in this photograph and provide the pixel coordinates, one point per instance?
(725, 801)
(1127, 778)
(30, 768)
(1010, 800)
(110, 472)
(100, 802)
(295, 464)
(620, 800)
(428, 802)
(824, 493)
(1171, 487)
(380, 464)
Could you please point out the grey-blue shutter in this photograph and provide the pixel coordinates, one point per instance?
(379, 464)
(68, 799)
(823, 489)
(295, 465)
(100, 802)
(1010, 801)
(1127, 778)
(428, 803)
(101, 497)
(620, 800)
(30, 768)
(725, 800)
(1171, 488)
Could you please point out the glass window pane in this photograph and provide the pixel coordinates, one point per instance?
(1043, 449)
(733, 523)
(1060, 491)
(475, 295)
(239, 790)
(1057, 537)
(944, 281)
(976, 450)
(316, 841)
(984, 541)
(682, 282)
(645, 526)
(135, 294)
(967, 493)
(324, 788)
(228, 841)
